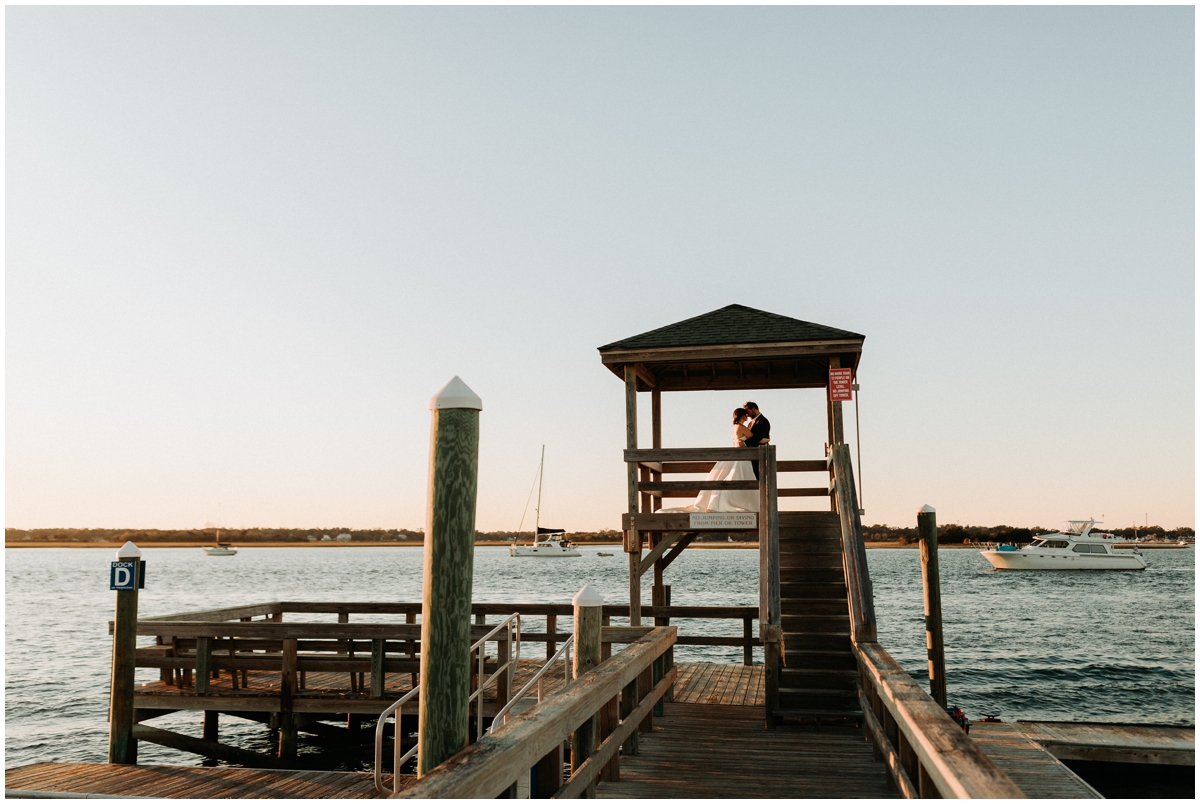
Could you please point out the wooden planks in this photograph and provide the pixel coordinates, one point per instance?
(1115, 742)
(171, 781)
(713, 751)
(719, 684)
(1031, 767)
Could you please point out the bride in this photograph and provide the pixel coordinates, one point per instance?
(729, 500)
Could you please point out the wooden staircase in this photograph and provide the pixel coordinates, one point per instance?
(819, 679)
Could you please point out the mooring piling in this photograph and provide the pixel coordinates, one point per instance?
(126, 574)
(449, 562)
(589, 608)
(931, 580)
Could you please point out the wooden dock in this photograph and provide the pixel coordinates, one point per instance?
(1034, 769)
(723, 751)
(173, 781)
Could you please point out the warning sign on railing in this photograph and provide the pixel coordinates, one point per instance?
(840, 380)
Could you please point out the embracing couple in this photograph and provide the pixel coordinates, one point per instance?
(750, 429)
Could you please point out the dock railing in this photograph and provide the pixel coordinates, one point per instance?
(926, 753)
(493, 764)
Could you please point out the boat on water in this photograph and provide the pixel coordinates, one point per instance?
(547, 542)
(1078, 547)
(221, 549)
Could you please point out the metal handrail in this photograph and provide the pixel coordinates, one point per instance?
(537, 679)
(398, 760)
(512, 626)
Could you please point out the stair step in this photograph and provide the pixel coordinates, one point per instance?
(816, 659)
(817, 589)
(810, 560)
(823, 714)
(806, 642)
(829, 700)
(823, 678)
(813, 605)
(811, 575)
(816, 623)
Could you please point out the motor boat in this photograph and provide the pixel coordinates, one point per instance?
(1078, 547)
(553, 546)
(221, 549)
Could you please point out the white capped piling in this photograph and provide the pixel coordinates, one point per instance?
(589, 614)
(122, 747)
(931, 580)
(448, 565)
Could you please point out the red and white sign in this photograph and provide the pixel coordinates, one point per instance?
(840, 381)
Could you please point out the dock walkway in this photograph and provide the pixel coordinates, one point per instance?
(174, 781)
(723, 751)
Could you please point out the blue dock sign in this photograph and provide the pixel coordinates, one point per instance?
(121, 578)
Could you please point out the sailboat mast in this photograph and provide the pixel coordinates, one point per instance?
(538, 511)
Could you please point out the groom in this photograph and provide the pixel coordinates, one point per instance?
(760, 431)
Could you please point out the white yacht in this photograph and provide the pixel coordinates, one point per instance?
(553, 546)
(1079, 547)
(547, 542)
(221, 549)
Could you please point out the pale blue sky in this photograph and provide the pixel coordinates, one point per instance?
(245, 245)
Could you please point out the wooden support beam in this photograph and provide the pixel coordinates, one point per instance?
(287, 692)
(680, 546)
(203, 664)
(205, 748)
(635, 542)
(378, 673)
(663, 545)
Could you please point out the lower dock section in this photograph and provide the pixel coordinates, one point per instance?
(82, 779)
(723, 751)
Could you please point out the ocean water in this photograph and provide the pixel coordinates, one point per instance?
(1084, 646)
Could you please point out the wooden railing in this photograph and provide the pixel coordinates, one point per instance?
(926, 753)
(491, 766)
(654, 463)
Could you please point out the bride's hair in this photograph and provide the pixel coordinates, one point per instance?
(740, 414)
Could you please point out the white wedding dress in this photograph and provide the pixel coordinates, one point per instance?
(714, 500)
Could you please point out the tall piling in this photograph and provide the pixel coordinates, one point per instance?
(589, 608)
(932, 583)
(448, 566)
(122, 747)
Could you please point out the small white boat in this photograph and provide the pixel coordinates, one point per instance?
(604, 554)
(547, 542)
(1078, 548)
(551, 547)
(221, 548)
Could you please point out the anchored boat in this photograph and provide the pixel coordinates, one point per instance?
(1079, 547)
(553, 545)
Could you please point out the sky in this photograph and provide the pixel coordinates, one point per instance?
(244, 246)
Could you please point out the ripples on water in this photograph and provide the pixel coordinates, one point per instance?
(1099, 646)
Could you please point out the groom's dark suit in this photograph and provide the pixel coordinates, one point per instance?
(760, 428)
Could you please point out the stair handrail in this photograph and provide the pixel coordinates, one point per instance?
(854, 553)
(398, 759)
(511, 626)
(561, 653)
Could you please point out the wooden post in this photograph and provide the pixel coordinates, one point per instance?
(931, 579)
(656, 438)
(378, 656)
(748, 648)
(210, 724)
(551, 643)
(588, 617)
(287, 692)
(449, 563)
(634, 544)
(122, 747)
(203, 664)
(547, 774)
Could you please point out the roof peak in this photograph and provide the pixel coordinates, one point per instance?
(732, 324)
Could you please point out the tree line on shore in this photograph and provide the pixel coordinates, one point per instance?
(947, 534)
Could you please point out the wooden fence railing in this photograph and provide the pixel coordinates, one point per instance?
(492, 765)
(926, 753)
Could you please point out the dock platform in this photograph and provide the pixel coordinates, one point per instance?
(78, 779)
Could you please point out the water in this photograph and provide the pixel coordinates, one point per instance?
(1101, 646)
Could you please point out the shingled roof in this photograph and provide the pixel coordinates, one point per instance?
(734, 324)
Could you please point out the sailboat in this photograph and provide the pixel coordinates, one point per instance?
(547, 542)
(221, 548)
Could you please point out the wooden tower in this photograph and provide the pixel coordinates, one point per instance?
(814, 593)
